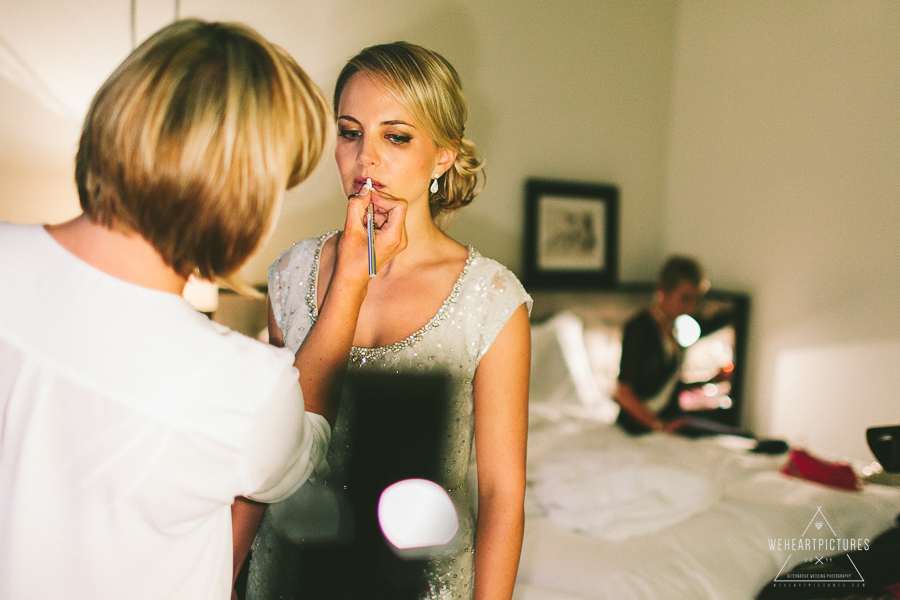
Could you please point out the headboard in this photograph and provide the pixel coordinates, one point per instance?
(610, 309)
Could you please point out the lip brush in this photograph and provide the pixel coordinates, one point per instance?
(370, 229)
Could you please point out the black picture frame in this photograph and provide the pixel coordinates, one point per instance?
(571, 235)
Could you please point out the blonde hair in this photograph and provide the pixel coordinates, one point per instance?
(193, 140)
(429, 88)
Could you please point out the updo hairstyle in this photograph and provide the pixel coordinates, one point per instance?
(427, 86)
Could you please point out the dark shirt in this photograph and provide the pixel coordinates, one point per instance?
(645, 366)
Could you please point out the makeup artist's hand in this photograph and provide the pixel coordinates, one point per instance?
(390, 226)
(390, 231)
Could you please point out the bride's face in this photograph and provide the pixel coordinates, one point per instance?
(379, 139)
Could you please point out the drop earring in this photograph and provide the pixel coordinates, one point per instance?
(434, 185)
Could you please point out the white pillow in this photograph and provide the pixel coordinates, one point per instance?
(561, 369)
(603, 344)
(550, 379)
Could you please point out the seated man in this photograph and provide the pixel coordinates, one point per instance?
(650, 369)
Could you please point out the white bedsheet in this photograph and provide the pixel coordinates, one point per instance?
(615, 495)
(721, 550)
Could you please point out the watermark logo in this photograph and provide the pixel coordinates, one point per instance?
(823, 557)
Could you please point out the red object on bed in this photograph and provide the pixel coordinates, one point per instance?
(804, 465)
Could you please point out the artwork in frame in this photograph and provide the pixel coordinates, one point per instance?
(571, 234)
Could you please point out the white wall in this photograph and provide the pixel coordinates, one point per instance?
(576, 89)
(783, 176)
(763, 137)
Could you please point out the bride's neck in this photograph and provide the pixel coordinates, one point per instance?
(425, 239)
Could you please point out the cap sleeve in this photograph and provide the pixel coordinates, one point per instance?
(503, 294)
(289, 287)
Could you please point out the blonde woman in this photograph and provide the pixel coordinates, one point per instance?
(129, 421)
(437, 307)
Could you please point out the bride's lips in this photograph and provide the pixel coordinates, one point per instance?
(359, 182)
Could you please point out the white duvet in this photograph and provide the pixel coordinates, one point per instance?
(662, 517)
(656, 517)
(615, 496)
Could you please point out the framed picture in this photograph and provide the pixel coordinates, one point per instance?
(571, 234)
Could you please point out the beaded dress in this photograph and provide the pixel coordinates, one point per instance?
(452, 343)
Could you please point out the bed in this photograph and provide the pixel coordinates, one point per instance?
(610, 516)
(656, 517)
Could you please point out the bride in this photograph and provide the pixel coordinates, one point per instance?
(437, 307)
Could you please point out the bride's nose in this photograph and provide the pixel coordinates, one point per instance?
(368, 152)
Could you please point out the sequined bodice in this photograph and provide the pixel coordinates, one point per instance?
(361, 356)
(451, 343)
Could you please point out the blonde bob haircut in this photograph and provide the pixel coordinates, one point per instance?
(427, 86)
(194, 139)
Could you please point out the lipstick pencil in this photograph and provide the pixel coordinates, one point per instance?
(370, 229)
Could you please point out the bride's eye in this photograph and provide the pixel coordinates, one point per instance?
(397, 138)
(349, 134)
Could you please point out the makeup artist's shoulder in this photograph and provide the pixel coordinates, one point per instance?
(13, 235)
(7, 228)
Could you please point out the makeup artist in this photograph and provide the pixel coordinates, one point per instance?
(129, 422)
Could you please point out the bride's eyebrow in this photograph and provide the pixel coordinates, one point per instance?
(398, 122)
(392, 122)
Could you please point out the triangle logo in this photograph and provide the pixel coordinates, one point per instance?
(825, 556)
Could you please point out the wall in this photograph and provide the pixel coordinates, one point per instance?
(576, 89)
(760, 136)
(783, 175)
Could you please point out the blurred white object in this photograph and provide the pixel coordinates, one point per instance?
(201, 294)
(687, 330)
(417, 513)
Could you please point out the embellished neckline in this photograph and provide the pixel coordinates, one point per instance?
(359, 356)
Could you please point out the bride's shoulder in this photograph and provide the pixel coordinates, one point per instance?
(493, 277)
(488, 267)
(305, 247)
(303, 255)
